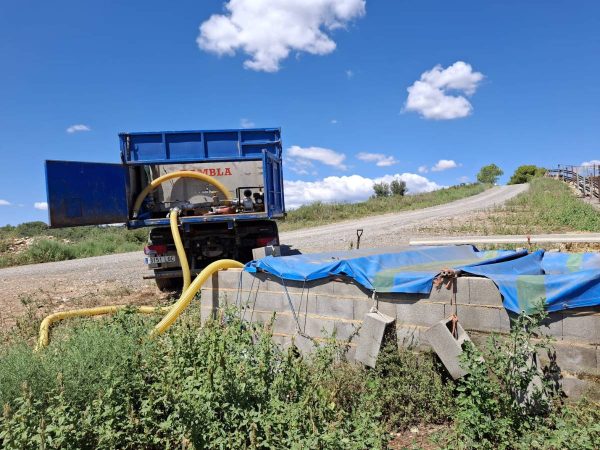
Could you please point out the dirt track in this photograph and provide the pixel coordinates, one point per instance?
(116, 279)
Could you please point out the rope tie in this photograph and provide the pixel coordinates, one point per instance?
(449, 279)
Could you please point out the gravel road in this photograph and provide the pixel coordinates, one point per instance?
(118, 278)
(395, 228)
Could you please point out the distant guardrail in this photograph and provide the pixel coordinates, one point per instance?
(586, 179)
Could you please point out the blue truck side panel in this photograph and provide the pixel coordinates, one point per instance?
(82, 193)
(197, 146)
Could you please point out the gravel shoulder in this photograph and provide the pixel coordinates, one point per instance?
(35, 290)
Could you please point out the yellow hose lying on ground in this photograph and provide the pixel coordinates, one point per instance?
(52, 318)
(185, 266)
(179, 174)
(188, 295)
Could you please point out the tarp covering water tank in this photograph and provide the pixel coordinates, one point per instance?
(561, 280)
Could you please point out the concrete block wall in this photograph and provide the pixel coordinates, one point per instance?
(337, 307)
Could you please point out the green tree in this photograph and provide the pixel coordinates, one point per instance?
(489, 174)
(525, 173)
(398, 187)
(381, 189)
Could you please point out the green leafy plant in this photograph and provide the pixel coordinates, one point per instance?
(506, 394)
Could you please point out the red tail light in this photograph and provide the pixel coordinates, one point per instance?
(158, 249)
(264, 241)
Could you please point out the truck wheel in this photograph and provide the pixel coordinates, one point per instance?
(169, 284)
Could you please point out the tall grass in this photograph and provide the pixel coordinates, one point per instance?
(67, 243)
(548, 206)
(320, 213)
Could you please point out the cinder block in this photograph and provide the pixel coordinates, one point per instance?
(266, 301)
(329, 306)
(321, 328)
(552, 325)
(361, 307)
(576, 388)
(447, 347)
(419, 312)
(505, 320)
(370, 337)
(444, 295)
(483, 291)
(583, 325)
(410, 337)
(263, 252)
(577, 358)
(480, 318)
(303, 344)
(349, 289)
(387, 306)
(206, 312)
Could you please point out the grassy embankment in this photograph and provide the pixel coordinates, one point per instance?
(549, 206)
(323, 213)
(103, 384)
(34, 242)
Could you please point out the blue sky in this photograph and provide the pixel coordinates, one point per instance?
(333, 74)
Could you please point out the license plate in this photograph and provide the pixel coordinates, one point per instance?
(159, 259)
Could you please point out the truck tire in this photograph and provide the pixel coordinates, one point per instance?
(168, 284)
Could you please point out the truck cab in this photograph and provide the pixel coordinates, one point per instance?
(213, 224)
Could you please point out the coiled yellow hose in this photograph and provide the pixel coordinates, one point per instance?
(188, 295)
(86, 312)
(179, 174)
(185, 266)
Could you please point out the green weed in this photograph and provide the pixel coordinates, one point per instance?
(66, 243)
(508, 401)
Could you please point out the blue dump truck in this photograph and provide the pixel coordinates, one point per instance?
(223, 187)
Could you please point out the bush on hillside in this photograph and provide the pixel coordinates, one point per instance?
(524, 174)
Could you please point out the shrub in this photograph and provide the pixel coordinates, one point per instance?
(227, 385)
(505, 396)
(381, 189)
(489, 174)
(411, 388)
(398, 187)
(525, 173)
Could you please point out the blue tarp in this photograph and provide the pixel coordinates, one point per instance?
(562, 280)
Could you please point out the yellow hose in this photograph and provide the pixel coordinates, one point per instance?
(179, 174)
(185, 267)
(52, 318)
(188, 295)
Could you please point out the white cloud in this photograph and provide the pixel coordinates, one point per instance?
(247, 123)
(320, 154)
(42, 206)
(593, 162)
(349, 73)
(429, 95)
(351, 188)
(333, 121)
(77, 128)
(268, 30)
(444, 164)
(4, 202)
(379, 159)
(423, 169)
(464, 179)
